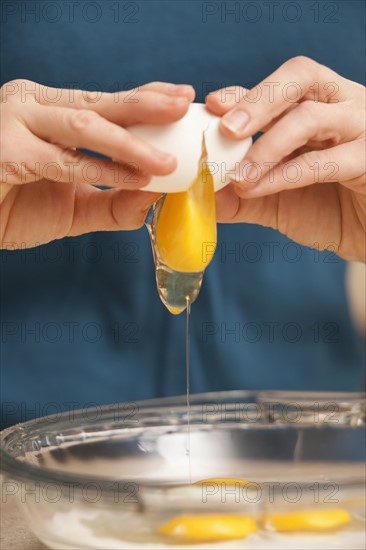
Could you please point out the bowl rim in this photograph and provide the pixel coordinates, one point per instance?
(15, 469)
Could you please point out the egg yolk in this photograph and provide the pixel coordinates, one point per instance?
(231, 481)
(186, 227)
(309, 520)
(174, 310)
(208, 528)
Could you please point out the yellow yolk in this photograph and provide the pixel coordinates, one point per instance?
(225, 481)
(310, 520)
(186, 227)
(174, 310)
(206, 528)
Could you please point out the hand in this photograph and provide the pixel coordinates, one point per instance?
(47, 188)
(305, 176)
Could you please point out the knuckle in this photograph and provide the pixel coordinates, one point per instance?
(301, 61)
(11, 172)
(17, 83)
(306, 118)
(307, 107)
(155, 85)
(308, 113)
(82, 120)
(11, 90)
(311, 158)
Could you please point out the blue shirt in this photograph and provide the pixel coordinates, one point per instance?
(81, 319)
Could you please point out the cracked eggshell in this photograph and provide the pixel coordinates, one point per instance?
(183, 139)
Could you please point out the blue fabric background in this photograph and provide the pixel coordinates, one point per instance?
(100, 333)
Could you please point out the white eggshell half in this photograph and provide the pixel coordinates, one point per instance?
(183, 139)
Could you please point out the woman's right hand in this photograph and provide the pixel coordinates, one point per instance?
(48, 187)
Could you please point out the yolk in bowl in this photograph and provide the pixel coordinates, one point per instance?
(208, 528)
(307, 520)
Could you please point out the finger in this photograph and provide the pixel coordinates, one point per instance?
(47, 95)
(42, 160)
(343, 163)
(230, 208)
(288, 84)
(321, 122)
(227, 204)
(302, 214)
(110, 210)
(223, 100)
(185, 90)
(149, 107)
(161, 102)
(312, 216)
(84, 129)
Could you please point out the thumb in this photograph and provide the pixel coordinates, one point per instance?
(109, 210)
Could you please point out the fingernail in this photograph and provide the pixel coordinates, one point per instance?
(235, 121)
(166, 157)
(174, 101)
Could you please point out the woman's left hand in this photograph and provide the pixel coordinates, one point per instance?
(305, 176)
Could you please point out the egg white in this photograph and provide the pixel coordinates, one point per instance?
(80, 524)
(183, 139)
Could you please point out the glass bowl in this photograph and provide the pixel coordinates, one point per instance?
(126, 476)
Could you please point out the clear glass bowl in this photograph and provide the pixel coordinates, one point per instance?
(109, 478)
